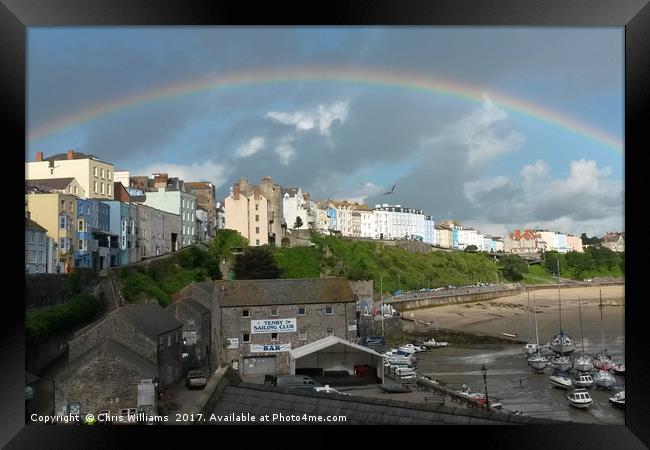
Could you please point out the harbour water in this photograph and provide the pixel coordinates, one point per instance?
(509, 378)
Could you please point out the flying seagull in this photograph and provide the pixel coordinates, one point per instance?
(392, 191)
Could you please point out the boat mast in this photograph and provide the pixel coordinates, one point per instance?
(536, 332)
(602, 325)
(559, 299)
(529, 327)
(582, 335)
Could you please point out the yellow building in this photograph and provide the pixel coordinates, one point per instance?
(249, 213)
(57, 213)
(95, 177)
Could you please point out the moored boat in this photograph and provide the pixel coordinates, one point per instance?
(618, 400)
(432, 343)
(602, 361)
(561, 380)
(562, 344)
(538, 361)
(618, 369)
(582, 363)
(583, 380)
(579, 398)
(604, 379)
(512, 335)
(562, 363)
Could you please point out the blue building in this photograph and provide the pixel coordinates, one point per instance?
(86, 219)
(331, 216)
(429, 230)
(454, 237)
(123, 228)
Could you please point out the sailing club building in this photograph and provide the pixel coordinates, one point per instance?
(261, 321)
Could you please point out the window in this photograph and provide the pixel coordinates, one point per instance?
(246, 337)
(76, 190)
(301, 311)
(102, 173)
(274, 336)
(41, 257)
(101, 185)
(274, 312)
(80, 225)
(95, 187)
(128, 412)
(302, 335)
(85, 242)
(95, 171)
(108, 174)
(257, 207)
(108, 189)
(169, 340)
(257, 218)
(330, 332)
(257, 230)
(62, 222)
(62, 243)
(81, 244)
(257, 242)
(246, 313)
(329, 310)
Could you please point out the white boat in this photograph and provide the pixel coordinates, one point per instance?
(618, 369)
(582, 362)
(583, 380)
(604, 379)
(579, 398)
(512, 335)
(561, 380)
(432, 343)
(618, 400)
(561, 343)
(479, 397)
(530, 348)
(562, 363)
(410, 348)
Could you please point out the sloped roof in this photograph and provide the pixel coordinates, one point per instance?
(261, 400)
(49, 183)
(292, 191)
(328, 343)
(77, 155)
(283, 292)
(31, 225)
(110, 347)
(190, 303)
(149, 318)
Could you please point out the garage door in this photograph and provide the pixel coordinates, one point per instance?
(259, 366)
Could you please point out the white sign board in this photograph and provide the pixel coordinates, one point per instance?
(270, 348)
(233, 343)
(352, 327)
(273, 326)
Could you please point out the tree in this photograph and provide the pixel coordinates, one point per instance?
(471, 248)
(256, 263)
(298, 222)
(513, 267)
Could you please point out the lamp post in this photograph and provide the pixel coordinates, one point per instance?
(487, 399)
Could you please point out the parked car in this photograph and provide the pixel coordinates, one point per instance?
(196, 379)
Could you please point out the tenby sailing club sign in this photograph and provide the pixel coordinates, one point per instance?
(273, 326)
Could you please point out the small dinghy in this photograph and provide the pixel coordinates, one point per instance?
(579, 398)
(604, 379)
(618, 369)
(561, 380)
(618, 400)
(432, 343)
(512, 335)
(583, 380)
(394, 388)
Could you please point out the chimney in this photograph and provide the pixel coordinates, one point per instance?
(39, 156)
(236, 191)
(70, 154)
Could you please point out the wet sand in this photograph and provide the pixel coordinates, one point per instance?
(509, 378)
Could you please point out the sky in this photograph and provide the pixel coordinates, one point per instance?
(496, 127)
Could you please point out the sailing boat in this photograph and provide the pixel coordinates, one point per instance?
(530, 348)
(583, 362)
(602, 361)
(537, 361)
(561, 344)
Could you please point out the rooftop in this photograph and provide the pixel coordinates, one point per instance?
(284, 292)
(149, 318)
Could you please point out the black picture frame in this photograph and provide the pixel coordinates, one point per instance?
(634, 15)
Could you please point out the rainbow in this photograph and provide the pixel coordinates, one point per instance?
(411, 81)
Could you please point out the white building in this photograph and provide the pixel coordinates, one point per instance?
(429, 230)
(294, 207)
(124, 177)
(397, 222)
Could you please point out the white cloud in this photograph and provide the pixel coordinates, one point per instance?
(285, 150)
(360, 193)
(483, 134)
(205, 171)
(250, 148)
(320, 118)
(585, 201)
